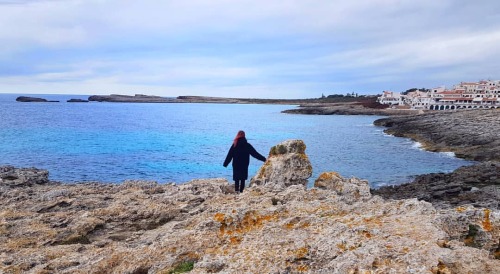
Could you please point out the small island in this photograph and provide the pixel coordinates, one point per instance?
(77, 101)
(34, 99)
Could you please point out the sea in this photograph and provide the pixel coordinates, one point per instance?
(114, 142)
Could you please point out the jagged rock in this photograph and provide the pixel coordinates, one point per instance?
(16, 177)
(474, 227)
(477, 185)
(354, 189)
(286, 165)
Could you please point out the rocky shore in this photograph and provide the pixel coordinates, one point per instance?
(470, 134)
(348, 109)
(276, 226)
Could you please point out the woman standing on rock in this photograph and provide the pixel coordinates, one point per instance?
(239, 153)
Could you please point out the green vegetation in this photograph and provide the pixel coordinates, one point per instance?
(183, 267)
(471, 236)
(277, 150)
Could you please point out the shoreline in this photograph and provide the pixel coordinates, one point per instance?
(469, 134)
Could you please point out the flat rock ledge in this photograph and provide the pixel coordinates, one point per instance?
(279, 226)
(470, 134)
(477, 185)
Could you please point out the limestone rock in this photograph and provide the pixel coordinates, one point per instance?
(470, 134)
(477, 185)
(286, 165)
(352, 189)
(15, 177)
(146, 227)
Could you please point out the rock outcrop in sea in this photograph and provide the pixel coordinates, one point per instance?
(25, 99)
(275, 226)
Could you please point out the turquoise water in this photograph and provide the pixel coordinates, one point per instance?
(112, 142)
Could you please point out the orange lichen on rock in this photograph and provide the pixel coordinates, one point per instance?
(219, 217)
(302, 268)
(235, 240)
(301, 253)
(486, 221)
(250, 221)
(367, 234)
(460, 209)
(441, 268)
(327, 176)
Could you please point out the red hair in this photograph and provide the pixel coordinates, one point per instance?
(241, 134)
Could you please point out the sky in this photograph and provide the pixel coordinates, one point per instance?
(255, 49)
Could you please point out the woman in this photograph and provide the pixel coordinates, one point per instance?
(239, 153)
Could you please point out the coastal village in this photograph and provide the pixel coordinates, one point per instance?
(466, 95)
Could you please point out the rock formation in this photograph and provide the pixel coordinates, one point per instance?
(33, 99)
(470, 134)
(77, 101)
(138, 98)
(277, 226)
(286, 165)
(351, 190)
(477, 185)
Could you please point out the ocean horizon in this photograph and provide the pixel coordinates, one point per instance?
(113, 142)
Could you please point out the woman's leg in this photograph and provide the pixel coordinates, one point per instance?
(242, 185)
(237, 186)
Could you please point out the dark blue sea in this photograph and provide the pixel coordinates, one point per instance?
(112, 142)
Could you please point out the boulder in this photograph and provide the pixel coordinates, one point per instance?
(352, 189)
(15, 177)
(286, 165)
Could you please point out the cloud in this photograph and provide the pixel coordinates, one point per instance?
(305, 47)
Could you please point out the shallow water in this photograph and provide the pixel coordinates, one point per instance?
(112, 142)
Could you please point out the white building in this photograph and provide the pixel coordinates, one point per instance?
(466, 95)
(391, 98)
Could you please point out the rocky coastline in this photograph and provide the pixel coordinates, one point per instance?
(141, 98)
(470, 134)
(276, 226)
(348, 109)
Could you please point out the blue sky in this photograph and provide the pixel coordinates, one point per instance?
(265, 49)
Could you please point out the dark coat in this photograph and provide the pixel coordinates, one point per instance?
(240, 155)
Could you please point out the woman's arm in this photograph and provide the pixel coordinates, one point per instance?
(229, 157)
(255, 154)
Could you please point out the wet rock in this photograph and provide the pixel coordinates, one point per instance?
(470, 134)
(476, 185)
(286, 165)
(18, 177)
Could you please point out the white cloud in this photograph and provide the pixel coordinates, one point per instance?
(250, 46)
